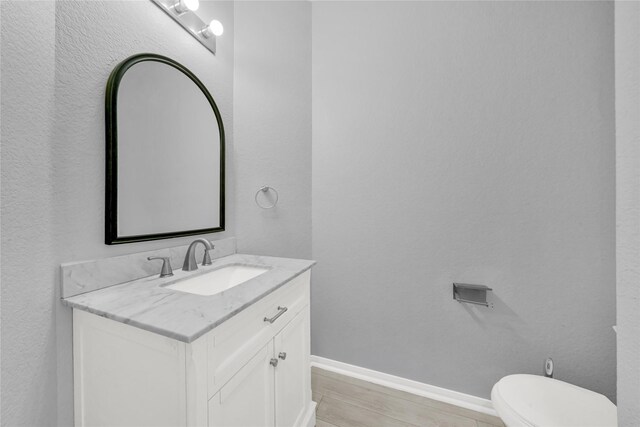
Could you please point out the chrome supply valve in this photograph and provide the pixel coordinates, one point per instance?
(548, 368)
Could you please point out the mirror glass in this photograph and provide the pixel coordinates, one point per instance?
(165, 172)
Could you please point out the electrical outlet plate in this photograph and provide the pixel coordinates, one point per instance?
(190, 22)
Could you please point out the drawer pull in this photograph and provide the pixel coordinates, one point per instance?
(273, 362)
(282, 355)
(281, 311)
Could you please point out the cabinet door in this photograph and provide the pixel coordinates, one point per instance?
(247, 399)
(293, 383)
(124, 376)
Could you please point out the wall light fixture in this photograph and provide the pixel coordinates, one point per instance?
(184, 13)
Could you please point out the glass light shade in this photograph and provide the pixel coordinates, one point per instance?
(216, 28)
(183, 6)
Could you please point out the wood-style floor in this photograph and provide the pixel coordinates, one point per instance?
(348, 402)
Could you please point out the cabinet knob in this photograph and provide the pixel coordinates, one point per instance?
(273, 362)
(282, 355)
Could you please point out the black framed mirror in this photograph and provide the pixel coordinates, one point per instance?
(165, 153)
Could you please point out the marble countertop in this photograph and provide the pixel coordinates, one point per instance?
(146, 304)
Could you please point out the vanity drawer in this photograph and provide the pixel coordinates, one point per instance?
(232, 344)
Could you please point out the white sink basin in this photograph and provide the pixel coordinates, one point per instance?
(218, 280)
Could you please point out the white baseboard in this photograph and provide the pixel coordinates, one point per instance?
(462, 400)
(310, 417)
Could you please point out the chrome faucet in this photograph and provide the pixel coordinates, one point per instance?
(190, 263)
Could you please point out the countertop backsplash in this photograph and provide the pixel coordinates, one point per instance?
(86, 276)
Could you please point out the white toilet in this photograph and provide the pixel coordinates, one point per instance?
(532, 400)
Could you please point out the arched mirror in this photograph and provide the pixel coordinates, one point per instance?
(165, 153)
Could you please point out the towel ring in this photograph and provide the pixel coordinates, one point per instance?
(264, 189)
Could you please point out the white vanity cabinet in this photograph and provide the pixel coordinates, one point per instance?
(246, 372)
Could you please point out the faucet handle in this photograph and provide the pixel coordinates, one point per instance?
(206, 260)
(166, 265)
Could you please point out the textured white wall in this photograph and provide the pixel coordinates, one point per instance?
(53, 170)
(53, 158)
(272, 115)
(627, 54)
(28, 196)
(470, 142)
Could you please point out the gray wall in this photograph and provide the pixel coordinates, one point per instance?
(464, 142)
(272, 117)
(28, 274)
(627, 54)
(53, 171)
(426, 170)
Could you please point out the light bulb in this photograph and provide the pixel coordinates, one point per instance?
(215, 27)
(183, 6)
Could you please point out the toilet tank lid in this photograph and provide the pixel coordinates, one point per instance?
(541, 401)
